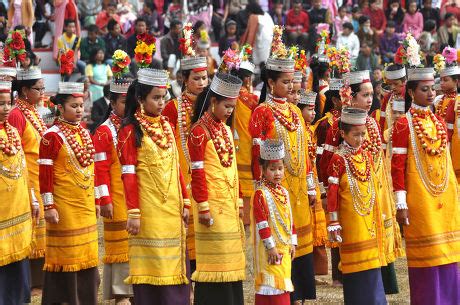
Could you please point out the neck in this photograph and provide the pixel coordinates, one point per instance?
(350, 149)
(26, 101)
(73, 123)
(69, 34)
(214, 117)
(419, 107)
(271, 183)
(277, 99)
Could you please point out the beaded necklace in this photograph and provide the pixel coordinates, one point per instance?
(312, 146)
(114, 124)
(290, 121)
(428, 142)
(83, 152)
(157, 131)
(32, 115)
(441, 108)
(220, 138)
(11, 146)
(12, 143)
(184, 109)
(374, 143)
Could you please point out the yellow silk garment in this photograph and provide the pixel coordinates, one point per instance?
(31, 143)
(72, 244)
(363, 242)
(455, 144)
(157, 254)
(241, 119)
(220, 255)
(15, 217)
(184, 162)
(296, 184)
(433, 236)
(275, 276)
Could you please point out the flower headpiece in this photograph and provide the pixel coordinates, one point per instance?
(339, 59)
(278, 47)
(230, 61)
(185, 43)
(345, 94)
(189, 59)
(439, 63)
(323, 40)
(450, 66)
(145, 48)
(121, 61)
(66, 63)
(15, 49)
(245, 56)
(279, 59)
(203, 43)
(409, 52)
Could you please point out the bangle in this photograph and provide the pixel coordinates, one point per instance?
(49, 207)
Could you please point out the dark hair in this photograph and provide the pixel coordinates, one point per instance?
(318, 70)
(202, 103)
(197, 26)
(395, 67)
(448, 15)
(111, 24)
(59, 99)
(348, 25)
(355, 89)
(140, 19)
(264, 163)
(17, 85)
(241, 73)
(253, 7)
(343, 7)
(111, 3)
(151, 5)
(175, 23)
(345, 127)
(410, 85)
(355, 9)
(391, 24)
(372, 1)
(92, 28)
(68, 21)
(106, 90)
(265, 75)
(429, 25)
(92, 56)
(136, 92)
(329, 104)
(363, 19)
(19, 27)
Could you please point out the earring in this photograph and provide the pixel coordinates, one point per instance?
(212, 107)
(142, 108)
(271, 91)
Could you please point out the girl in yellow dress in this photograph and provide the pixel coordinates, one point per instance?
(155, 195)
(15, 210)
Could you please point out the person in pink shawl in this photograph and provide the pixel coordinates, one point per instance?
(64, 9)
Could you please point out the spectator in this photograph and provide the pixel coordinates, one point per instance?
(203, 50)
(100, 108)
(366, 34)
(355, 14)
(21, 12)
(154, 20)
(242, 19)
(297, 24)
(428, 41)
(234, 7)
(339, 20)
(429, 12)
(389, 43)
(413, 20)
(28, 60)
(367, 58)
(174, 12)
(140, 27)
(3, 22)
(230, 38)
(395, 14)
(377, 17)
(349, 40)
(448, 32)
(98, 73)
(90, 43)
(104, 16)
(64, 10)
(219, 16)
(377, 74)
(113, 40)
(127, 14)
(170, 43)
(197, 28)
(70, 41)
(43, 12)
(278, 14)
(317, 14)
(450, 6)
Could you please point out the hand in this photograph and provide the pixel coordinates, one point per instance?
(205, 219)
(52, 216)
(98, 211)
(133, 225)
(312, 200)
(107, 211)
(292, 252)
(335, 236)
(186, 216)
(272, 256)
(36, 213)
(241, 213)
(402, 216)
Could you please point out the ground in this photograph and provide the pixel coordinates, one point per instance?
(326, 294)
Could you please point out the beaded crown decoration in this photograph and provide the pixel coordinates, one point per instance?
(76, 89)
(5, 86)
(271, 150)
(358, 77)
(8, 71)
(307, 98)
(420, 74)
(153, 77)
(335, 84)
(226, 85)
(120, 85)
(298, 77)
(27, 74)
(189, 59)
(395, 74)
(353, 116)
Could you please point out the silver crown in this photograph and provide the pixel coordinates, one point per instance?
(5, 86)
(190, 63)
(307, 98)
(297, 77)
(8, 71)
(399, 105)
(226, 85)
(120, 85)
(449, 71)
(153, 77)
(247, 65)
(335, 84)
(322, 57)
(395, 74)
(71, 88)
(203, 44)
(353, 116)
(358, 77)
(271, 150)
(420, 74)
(27, 74)
(280, 64)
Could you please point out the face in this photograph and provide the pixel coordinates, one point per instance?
(176, 30)
(141, 27)
(363, 99)
(346, 32)
(274, 172)
(448, 84)
(374, 6)
(450, 21)
(377, 74)
(424, 94)
(412, 7)
(394, 6)
(279, 8)
(390, 31)
(5, 106)
(355, 136)
(223, 109)
(396, 85)
(342, 12)
(72, 111)
(196, 82)
(308, 114)
(367, 24)
(111, 10)
(92, 36)
(26, 62)
(154, 102)
(118, 106)
(297, 7)
(427, 4)
(282, 87)
(398, 114)
(337, 103)
(70, 28)
(294, 97)
(34, 94)
(317, 4)
(116, 30)
(100, 55)
(231, 29)
(202, 52)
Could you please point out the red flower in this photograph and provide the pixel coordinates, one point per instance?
(17, 45)
(149, 39)
(22, 57)
(399, 56)
(16, 35)
(249, 51)
(116, 69)
(126, 61)
(139, 57)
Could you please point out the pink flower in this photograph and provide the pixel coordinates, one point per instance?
(450, 54)
(322, 27)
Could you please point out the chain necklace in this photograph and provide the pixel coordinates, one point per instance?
(423, 135)
(32, 115)
(220, 138)
(435, 189)
(290, 121)
(114, 124)
(275, 217)
(184, 109)
(159, 132)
